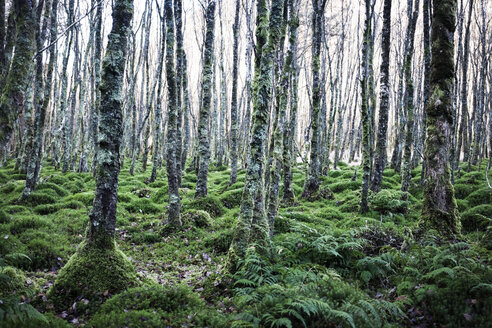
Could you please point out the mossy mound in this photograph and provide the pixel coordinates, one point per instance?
(86, 198)
(479, 197)
(92, 273)
(41, 197)
(388, 201)
(345, 185)
(60, 191)
(157, 306)
(231, 198)
(209, 204)
(463, 190)
(198, 218)
(477, 218)
(45, 209)
(142, 205)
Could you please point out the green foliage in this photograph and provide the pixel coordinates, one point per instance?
(479, 197)
(209, 204)
(52, 208)
(231, 198)
(142, 205)
(198, 218)
(477, 218)
(345, 185)
(463, 190)
(60, 191)
(388, 201)
(330, 213)
(302, 296)
(21, 224)
(41, 197)
(90, 273)
(161, 306)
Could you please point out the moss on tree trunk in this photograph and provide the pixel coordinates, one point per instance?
(439, 208)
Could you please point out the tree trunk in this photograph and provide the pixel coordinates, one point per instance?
(204, 115)
(311, 187)
(172, 173)
(12, 100)
(234, 114)
(382, 134)
(439, 208)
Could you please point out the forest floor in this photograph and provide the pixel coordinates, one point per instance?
(332, 267)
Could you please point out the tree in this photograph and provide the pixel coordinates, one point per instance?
(290, 129)
(409, 103)
(41, 100)
(12, 97)
(172, 157)
(234, 114)
(382, 134)
(439, 208)
(98, 264)
(365, 119)
(204, 115)
(311, 187)
(252, 226)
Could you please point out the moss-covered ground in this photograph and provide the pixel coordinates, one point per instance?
(332, 267)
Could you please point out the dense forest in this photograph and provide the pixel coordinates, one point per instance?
(240, 163)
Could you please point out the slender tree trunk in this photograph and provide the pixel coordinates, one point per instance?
(382, 134)
(252, 226)
(204, 115)
(290, 129)
(42, 103)
(365, 117)
(12, 99)
(311, 187)
(234, 113)
(439, 208)
(102, 221)
(410, 105)
(172, 173)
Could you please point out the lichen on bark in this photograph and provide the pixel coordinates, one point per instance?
(201, 189)
(439, 208)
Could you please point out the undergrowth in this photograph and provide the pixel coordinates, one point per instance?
(331, 266)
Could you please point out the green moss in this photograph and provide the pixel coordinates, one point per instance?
(161, 196)
(209, 204)
(146, 237)
(198, 218)
(52, 208)
(86, 198)
(41, 197)
(231, 198)
(345, 185)
(92, 273)
(463, 190)
(142, 205)
(477, 218)
(60, 191)
(8, 188)
(330, 213)
(4, 217)
(157, 306)
(58, 180)
(219, 241)
(21, 224)
(479, 197)
(388, 201)
(14, 283)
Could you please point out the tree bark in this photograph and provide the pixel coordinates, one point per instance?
(204, 115)
(439, 208)
(103, 214)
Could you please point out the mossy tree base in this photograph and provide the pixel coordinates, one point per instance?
(92, 273)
